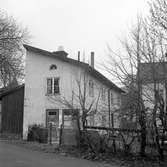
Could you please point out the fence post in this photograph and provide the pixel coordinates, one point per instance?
(61, 132)
(50, 133)
(113, 134)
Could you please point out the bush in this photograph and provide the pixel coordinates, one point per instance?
(37, 133)
(93, 142)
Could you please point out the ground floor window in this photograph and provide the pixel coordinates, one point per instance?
(69, 117)
(52, 116)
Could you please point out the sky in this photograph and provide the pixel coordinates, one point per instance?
(77, 25)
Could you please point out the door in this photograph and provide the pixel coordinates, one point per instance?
(0, 116)
(52, 119)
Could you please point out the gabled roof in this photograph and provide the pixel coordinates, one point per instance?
(7, 91)
(62, 55)
(153, 71)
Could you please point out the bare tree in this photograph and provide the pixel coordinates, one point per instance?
(158, 10)
(12, 38)
(125, 67)
(80, 100)
(145, 45)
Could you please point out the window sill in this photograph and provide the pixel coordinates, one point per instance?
(55, 94)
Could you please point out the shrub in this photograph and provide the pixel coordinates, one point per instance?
(37, 133)
(93, 142)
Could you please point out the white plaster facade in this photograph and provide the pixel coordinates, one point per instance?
(36, 100)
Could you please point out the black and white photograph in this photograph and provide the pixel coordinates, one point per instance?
(83, 83)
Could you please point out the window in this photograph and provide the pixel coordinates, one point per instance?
(118, 99)
(56, 85)
(91, 123)
(91, 88)
(52, 116)
(53, 86)
(67, 118)
(161, 92)
(103, 120)
(49, 86)
(53, 67)
(69, 115)
(103, 94)
(111, 98)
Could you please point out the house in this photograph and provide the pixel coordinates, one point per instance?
(153, 76)
(51, 75)
(55, 84)
(129, 104)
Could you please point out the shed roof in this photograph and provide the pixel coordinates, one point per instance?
(7, 91)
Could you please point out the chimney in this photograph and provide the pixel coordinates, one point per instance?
(60, 48)
(78, 55)
(92, 59)
(60, 52)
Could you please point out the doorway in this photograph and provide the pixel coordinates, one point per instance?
(52, 119)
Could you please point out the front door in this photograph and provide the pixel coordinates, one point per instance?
(52, 119)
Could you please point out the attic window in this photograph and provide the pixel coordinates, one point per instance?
(53, 67)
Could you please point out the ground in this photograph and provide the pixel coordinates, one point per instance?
(19, 153)
(17, 156)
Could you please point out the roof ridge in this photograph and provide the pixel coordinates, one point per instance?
(96, 73)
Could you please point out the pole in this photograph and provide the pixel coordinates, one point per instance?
(50, 133)
(109, 108)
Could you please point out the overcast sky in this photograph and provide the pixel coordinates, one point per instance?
(76, 24)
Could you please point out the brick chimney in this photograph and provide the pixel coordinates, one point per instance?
(92, 59)
(78, 55)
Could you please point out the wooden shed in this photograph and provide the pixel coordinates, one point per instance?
(12, 105)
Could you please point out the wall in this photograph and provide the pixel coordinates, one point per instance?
(12, 112)
(148, 93)
(36, 101)
(0, 116)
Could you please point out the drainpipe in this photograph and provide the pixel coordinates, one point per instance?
(109, 108)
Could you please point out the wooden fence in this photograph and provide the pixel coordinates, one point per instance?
(112, 129)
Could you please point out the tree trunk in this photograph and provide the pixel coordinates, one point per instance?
(143, 141)
(143, 133)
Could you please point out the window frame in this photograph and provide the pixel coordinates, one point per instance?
(58, 86)
(91, 88)
(49, 90)
(111, 98)
(118, 100)
(53, 85)
(103, 94)
(53, 67)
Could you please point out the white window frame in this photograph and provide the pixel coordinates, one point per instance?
(52, 85)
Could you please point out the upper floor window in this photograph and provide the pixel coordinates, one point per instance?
(91, 88)
(161, 92)
(53, 67)
(118, 100)
(53, 86)
(103, 94)
(103, 120)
